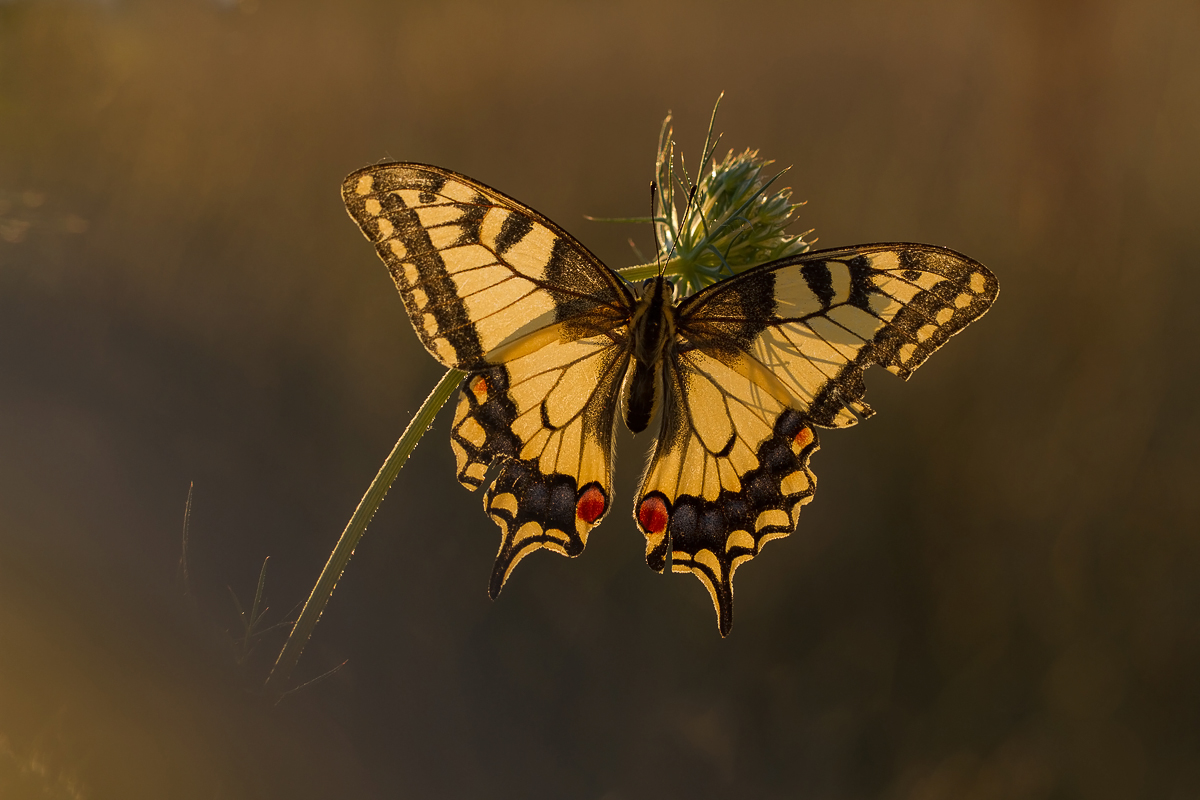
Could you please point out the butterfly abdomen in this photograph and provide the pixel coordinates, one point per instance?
(651, 331)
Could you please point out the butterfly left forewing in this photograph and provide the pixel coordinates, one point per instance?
(766, 356)
(496, 289)
(474, 266)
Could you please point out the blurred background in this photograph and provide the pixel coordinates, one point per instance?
(994, 595)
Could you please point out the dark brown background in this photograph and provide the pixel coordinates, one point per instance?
(993, 596)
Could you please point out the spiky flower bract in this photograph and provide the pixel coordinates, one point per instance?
(723, 224)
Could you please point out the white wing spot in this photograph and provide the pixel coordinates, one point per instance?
(889, 259)
(962, 301)
(925, 332)
(473, 432)
(420, 298)
(884, 306)
(459, 191)
(906, 352)
(444, 236)
(795, 483)
(978, 282)
(412, 198)
(531, 255)
(467, 257)
(373, 206)
(505, 502)
(709, 559)
(431, 216)
(364, 185)
(839, 275)
(928, 280)
(444, 350)
(744, 539)
(945, 315)
(527, 531)
(398, 248)
(460, 455)
(493, 223)
(773, 516)
(385, 228)
(410, 272)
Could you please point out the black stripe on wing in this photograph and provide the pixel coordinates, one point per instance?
(474, 266)
(818, 320)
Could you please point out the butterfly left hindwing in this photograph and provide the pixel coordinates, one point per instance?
(550, 412)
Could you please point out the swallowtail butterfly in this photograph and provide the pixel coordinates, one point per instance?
(744, 371)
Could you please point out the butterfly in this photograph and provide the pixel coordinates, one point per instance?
(555, 344)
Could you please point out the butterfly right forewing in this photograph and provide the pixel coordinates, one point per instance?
(816, 321)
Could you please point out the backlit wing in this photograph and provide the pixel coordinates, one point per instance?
(762, 358)
(539, 323)
(474, 266)
(729, 473)
(550, 414)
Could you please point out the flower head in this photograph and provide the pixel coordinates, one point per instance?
(721, 225)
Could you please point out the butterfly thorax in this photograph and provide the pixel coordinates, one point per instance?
(651, 332)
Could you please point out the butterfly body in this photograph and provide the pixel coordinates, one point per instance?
(652, 332)
(556, 344)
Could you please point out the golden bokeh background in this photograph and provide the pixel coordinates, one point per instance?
(995, 595)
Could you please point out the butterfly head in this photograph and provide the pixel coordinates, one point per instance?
(660, 287)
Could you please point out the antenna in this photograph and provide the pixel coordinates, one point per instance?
(706, 154)
(654, 227)
(686, 209)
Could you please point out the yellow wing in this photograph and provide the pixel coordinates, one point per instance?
(729, 473)
(540, 324)
(549, 414)
(763, 358)
(474, 266)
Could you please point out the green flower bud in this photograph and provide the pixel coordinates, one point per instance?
(724, 224)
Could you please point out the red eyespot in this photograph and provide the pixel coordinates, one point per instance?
(802, 439)
(652, 514)
(591, 504)
(479, 388)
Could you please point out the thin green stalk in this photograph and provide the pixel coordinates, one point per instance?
(323, 590)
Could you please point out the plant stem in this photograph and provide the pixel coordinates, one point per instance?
(323, 590)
